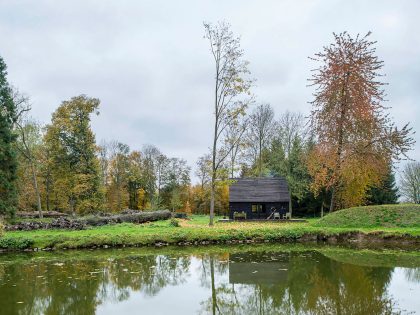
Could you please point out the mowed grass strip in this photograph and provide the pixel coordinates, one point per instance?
(197, 230)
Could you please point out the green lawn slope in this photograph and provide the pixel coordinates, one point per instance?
(389, 216)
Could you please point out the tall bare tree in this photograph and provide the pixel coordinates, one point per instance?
(410, 182)
(231, 92)
(260, 132)
(29, 138)
(290, 125)
(235, 138)
(203, 170)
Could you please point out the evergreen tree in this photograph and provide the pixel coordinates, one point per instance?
(385, 193)
(8, 160)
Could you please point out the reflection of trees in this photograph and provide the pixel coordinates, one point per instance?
(78, 287)
(412, 275)
(314, 285)
(149, 274)
(309, 283)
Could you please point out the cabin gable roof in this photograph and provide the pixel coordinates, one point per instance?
(259, 190)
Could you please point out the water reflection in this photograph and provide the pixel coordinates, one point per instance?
(260, 281)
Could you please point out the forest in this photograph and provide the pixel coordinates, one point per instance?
(341, 154)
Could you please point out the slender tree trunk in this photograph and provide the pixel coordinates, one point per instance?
(340, 139)
(213, 287)
(72, 207)
(332, 200)
(260, 158)
(47, 193)
(38, 196)
(214, 170)
(212, 196)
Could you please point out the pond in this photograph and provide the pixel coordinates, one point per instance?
(257, 279)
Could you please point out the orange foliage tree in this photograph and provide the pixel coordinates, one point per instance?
(356, 140)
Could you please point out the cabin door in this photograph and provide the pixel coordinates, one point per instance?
(259, 211)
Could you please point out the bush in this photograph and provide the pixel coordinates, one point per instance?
(180, 215)
(174, 222)
(15, 243)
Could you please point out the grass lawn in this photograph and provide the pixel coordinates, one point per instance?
(384, 216)
(197, 230)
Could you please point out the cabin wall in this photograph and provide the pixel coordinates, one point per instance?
(281, 207)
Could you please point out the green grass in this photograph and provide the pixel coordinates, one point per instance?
(196, 230)
(386, 216)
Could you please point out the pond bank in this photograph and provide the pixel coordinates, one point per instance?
(197, 232)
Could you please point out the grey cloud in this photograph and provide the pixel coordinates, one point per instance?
(148, 62)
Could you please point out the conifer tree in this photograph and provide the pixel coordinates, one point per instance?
(8, 160)
(384, 193)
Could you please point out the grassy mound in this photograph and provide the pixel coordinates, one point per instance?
(373, 216)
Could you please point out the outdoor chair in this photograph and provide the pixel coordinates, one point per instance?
(239, 215)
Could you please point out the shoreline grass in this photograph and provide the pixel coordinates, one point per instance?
(197, 232)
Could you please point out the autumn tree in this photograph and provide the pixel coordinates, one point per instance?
(8, 161)
(29, 146)
(135, 182)
(72, 145)
(410, 182)
(117, 192)
(231, 93)
(356, 140)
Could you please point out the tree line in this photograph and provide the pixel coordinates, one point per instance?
(341, 155)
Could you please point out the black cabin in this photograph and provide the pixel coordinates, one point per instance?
(259, 197)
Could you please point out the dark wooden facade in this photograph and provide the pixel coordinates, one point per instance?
(259, 197)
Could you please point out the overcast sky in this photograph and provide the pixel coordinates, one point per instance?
(149, 65)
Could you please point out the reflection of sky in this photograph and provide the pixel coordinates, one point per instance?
(183, 298)
(407, 293)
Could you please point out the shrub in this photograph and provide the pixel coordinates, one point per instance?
(174, 222)
(15, 243)
(180, 215)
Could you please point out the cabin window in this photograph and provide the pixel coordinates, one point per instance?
(257, 208)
